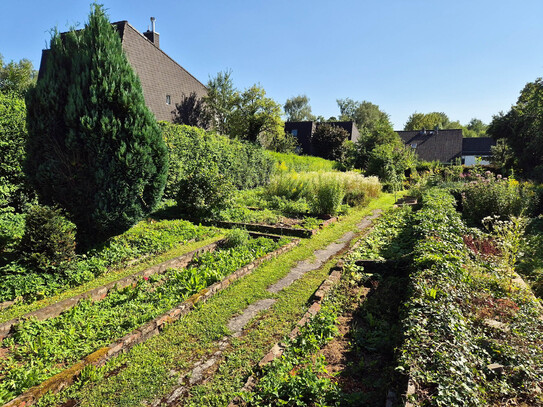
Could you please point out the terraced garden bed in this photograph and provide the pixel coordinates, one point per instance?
(20, 283)
(39, 349)
(150, 369)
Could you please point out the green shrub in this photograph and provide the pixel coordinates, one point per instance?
(94, 148)
(204, 192)
(48, 242)
(11, 229)
(329, 142)
(494, 196)
(236, 237)
(147, 237)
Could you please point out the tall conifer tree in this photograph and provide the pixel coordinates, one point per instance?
(94, 148)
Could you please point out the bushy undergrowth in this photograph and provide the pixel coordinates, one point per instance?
(491, 195)
(148, 237)
(449, 343)
(296, 379)
(39, 349)
(12, 227)
(48, 242)
(390, 237)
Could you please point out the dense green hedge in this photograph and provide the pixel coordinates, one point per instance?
(13, 192)
(190, 149)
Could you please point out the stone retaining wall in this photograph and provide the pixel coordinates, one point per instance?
(276, 230)
(148, 330)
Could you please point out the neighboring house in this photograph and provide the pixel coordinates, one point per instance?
(163, 80)
(435, 145)
(303, 131)
(477, 148)
(447, 146)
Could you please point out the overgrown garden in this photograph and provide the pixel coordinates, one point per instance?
(439, 305)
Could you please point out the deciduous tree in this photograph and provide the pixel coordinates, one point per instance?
(191, 111)
(17, 76)
(297, 109)
(522, 128)
(329, 142)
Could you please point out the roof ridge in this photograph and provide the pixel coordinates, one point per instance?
(158, 48)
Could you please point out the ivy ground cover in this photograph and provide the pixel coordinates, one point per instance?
(472, 337)
(39, 349)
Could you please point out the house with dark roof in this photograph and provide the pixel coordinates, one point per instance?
(163, 80)
(447, 146)
(435, 145)
(304, 131)
(477, 149)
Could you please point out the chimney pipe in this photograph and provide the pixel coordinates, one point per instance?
(152, 35)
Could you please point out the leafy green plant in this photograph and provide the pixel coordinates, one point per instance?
(453, 299)
(39, 349)
(493, 195)
(236, 237)
(205, 192)
(509, 235)
(146, 238)
(11, 229)
(13, 134)
(295, 378)
(48, 242)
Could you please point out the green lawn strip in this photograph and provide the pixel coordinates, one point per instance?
(19, 310)
(264, 332)
(146, 368)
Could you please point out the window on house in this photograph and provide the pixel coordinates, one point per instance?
(168, 100)
(295, 132)
(414, 145)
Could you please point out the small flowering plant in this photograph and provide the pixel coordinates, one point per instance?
(494, 195)
(509, 234)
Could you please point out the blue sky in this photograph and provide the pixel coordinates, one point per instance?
(467, 58)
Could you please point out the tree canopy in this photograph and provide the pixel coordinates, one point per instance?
(428, 121)
(17, 76)
(297, 109)
(374, 126)
(329, 142)
(249, 115)
(522, 128)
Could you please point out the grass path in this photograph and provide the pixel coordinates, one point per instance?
(151, 370)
